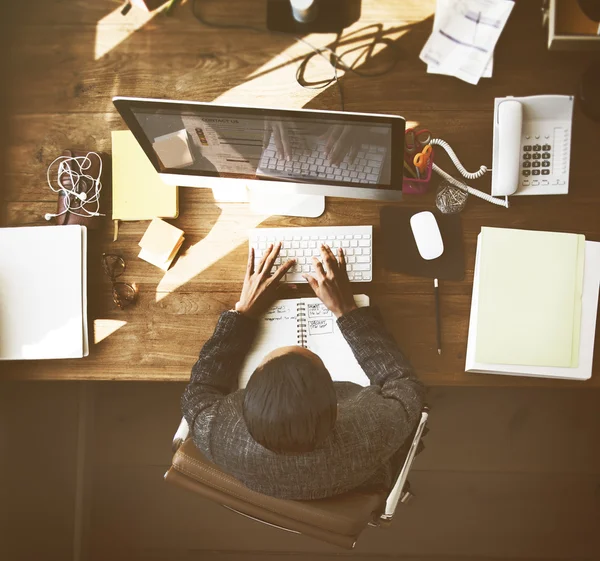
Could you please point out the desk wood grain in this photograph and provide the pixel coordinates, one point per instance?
(66, 61)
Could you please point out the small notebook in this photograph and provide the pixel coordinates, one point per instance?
(308, 323)
(138, 192)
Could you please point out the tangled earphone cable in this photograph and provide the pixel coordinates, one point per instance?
(82, 198)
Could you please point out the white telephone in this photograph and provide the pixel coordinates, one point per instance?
(532, 149)
(532, 145)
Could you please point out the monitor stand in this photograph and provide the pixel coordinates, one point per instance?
(307, 206)
(267, 202)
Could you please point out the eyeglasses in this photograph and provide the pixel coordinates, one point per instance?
(123, 293)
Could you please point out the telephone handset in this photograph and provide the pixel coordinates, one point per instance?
(532, 145)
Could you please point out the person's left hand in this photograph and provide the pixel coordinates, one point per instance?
(259, 289)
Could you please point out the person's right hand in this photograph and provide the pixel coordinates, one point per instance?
(330, 282)
(281, 139)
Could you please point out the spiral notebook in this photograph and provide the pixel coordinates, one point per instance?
(308, 323)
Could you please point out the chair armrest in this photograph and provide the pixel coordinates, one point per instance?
(396, 492)
(181, 435)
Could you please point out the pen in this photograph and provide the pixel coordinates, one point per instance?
(409, 170)
(438, 327)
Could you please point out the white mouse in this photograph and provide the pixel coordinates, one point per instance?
(427, 235)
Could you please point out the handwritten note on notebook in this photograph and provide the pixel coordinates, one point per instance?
(306, 322)
(529, 310)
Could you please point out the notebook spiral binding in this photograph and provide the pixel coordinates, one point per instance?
(301, 325)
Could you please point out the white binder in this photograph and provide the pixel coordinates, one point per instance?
(43, 292)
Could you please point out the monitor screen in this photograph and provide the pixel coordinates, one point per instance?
(317, 147)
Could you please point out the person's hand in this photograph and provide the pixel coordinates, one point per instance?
(341, 140)
(330, 282)
(280, 137)
(259, 289)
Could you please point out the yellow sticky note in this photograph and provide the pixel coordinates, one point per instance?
(530, 287)
(161, 239)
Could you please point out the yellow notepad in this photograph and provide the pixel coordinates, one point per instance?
(138, 192)
(530, 290)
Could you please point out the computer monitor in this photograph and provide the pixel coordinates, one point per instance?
(279, 151)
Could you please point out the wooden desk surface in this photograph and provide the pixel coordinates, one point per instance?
(68, 59)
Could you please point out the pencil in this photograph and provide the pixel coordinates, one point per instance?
(438, 326)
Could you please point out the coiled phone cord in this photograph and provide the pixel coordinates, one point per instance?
(468, 175)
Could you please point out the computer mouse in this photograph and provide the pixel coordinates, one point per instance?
(427, 235)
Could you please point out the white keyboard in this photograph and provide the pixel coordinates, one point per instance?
(302, 244)
(307, 163)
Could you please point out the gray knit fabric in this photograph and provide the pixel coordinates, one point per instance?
(372, 423)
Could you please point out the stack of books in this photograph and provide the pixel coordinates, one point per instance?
(43, 290)
(160, 243)
(535, 297)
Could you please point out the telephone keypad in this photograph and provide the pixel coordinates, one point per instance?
(535, 156)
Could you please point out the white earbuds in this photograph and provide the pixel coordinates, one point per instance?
(84, 188)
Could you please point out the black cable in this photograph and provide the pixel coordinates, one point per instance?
(336, 61)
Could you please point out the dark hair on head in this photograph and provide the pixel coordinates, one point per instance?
(290, 404)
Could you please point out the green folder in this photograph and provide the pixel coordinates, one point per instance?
(530, 290)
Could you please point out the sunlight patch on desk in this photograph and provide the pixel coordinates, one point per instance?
(115, 27)
(229, 232)
(105, 327)
(282, 68)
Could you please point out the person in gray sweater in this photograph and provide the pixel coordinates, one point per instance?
(293, 433)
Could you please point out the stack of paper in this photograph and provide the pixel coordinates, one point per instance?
(465, 33)
(534, 304)
(43, 292)
(160, 243)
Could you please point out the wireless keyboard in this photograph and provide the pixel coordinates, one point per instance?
(304, 243)
(307, 163)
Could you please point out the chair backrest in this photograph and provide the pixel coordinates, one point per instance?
(338, 520)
